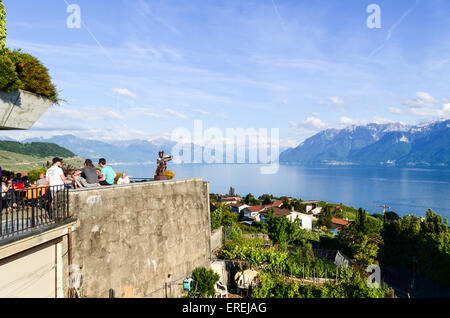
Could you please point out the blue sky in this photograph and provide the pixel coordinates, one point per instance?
(141, 68)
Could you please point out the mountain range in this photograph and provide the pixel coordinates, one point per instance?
(129, 151)
(376, 144)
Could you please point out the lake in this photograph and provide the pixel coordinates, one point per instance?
(405, 190)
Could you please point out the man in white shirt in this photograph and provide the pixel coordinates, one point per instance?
(55, 178)
(55, 175)
(123, 179)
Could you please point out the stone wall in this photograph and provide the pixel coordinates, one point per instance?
(216, 239)
(136, 238)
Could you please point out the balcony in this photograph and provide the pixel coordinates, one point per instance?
(28, 211)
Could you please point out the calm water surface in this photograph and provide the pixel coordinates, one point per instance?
(406, 191)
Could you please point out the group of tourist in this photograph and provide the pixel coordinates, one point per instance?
(13, 187)
(86, 177)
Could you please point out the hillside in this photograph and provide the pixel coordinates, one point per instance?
(374, 144)
(35, 149)
(132, 151)
(18, 162)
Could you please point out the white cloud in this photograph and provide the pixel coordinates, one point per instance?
(423, 100)
(394, 110)
(124, 92)
(337, 100)
(293, 124)
(222, 115)
(176, 114)
(313, 123)
(153, 115)
(201, 111)
(346, 121)
(113, 115)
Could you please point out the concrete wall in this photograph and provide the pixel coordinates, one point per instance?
(216, 239)
(36, 265)
(131, 238)
(21, 109)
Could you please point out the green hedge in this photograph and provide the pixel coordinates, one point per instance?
(2, 26)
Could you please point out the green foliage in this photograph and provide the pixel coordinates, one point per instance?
(222, 215)
(33, 175)
(250, 200)
(232, 191)
(216, 219)
(391, 216)
(37, 149)
(19, 70)
(34, 76)
(281, 230)
(9, 81)
(325, 218)
(274, 285)
(204, 282)
(117, 177)
(3, 31)
(298, 263)
(426, 241)
(266, 199)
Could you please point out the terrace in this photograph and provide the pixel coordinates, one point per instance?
(24, 212)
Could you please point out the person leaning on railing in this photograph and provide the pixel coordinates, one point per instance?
(8, 195)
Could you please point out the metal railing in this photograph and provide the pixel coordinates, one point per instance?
(34, 208)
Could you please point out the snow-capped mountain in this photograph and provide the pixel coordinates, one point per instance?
(376, 144)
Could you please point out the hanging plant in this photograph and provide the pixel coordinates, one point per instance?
(2, 26)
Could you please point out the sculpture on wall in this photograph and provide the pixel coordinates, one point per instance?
(162, 166)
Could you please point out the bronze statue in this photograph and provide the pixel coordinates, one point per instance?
(162, 166)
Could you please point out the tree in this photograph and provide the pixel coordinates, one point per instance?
(204, 283)
(250, 199)
(266, 199)
(3, 31)
(325, 219)
(231, 192)
(365, 251)
(281, 230)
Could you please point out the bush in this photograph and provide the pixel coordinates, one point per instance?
(33, 175)
(33, 75)
(204, 283)
(2, 26)
(9, 81)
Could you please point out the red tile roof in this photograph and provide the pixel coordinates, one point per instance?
(256, 208)
(278, 213)
(339, 221)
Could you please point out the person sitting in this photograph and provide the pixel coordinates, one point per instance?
(108, 174)
(42, 181)
(18, 178)
(8, 198)
(89, 173)
(124, 179)
(82, 182)
(26, 181)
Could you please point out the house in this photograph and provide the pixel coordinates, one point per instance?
(229, 199)
(306, 220)
(312, 207)
(338, 223)
(253, 212)
(238, 207)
